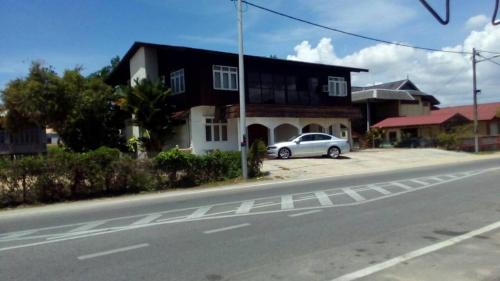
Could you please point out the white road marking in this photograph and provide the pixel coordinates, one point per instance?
(226, 228)
(110, 252)
(438, 179)
(88, 226)
(286, 202)
(417, 253)
(323, 198)
(200, 212)
(402, 185)
(216, 215)
(147, 219)
(419, 182)
(353, 194)
(18, 234)
(304, 213)
(245, 207)
(380, 189)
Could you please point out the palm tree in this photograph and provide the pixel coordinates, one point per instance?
(148, 104)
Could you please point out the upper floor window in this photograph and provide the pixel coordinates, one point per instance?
(225, 78)
(337, 87)
(177, 83)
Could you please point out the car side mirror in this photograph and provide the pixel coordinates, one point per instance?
(296, 141)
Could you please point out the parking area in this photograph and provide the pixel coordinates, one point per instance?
(366, 161)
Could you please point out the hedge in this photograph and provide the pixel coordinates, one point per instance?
(61, 175)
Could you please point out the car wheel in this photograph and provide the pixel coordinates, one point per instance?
(284, 153)
(334, 152)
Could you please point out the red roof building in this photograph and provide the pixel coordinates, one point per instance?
(437, 121)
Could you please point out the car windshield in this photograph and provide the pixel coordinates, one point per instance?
(292, 138)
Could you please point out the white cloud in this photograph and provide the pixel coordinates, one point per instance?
(445, 75)
(475, 22)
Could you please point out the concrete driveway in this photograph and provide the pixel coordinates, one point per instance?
(366, 161)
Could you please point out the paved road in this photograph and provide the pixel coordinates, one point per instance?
(310, 230)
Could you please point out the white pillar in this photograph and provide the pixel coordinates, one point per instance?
(271, 136)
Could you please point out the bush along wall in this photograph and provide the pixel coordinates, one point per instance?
(61, 176)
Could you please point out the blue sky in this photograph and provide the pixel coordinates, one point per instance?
(68, 33)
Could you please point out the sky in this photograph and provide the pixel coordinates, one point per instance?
(66, 34)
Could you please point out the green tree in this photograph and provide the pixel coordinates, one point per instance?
(148, 103)
(81, 109)
(37, 99)
(106, 70)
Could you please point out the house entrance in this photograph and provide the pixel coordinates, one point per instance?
(256, 132)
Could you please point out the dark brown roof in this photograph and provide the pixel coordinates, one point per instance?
(123, 65)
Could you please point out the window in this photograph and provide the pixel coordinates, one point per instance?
(337, 87)
(307, 138)
(322, 137)
(215, 130)
(279, 89)
(291, 90)
(177, 83)
(266, 80)
(254, 88)
(225, 78)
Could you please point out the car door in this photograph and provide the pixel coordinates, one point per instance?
(322, 143)
(305, 147)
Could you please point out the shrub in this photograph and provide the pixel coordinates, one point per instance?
(63, 175)
(256, 156)
(185, 169)
(177, 165)
(18, 181)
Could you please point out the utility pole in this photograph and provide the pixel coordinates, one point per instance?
(241, 74)
(474, 93)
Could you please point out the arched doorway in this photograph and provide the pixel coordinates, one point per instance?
(258, 131)
(284, 132)
(313, 128)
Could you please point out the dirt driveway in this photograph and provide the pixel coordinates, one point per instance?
(366, 161)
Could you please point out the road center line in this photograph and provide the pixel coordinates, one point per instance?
(119, 250)
(245, 207)
(417, 253)
(304, 213)
(353, 194)
(419, 182)
(323, 198)
(402, 185)
(147, 219)
(286, 202)
(226, 228)
(380, 189)
(200, 212)
(88, 226)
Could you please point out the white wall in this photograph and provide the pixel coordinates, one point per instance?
(193, 134)
(144, 64)
(199, 144)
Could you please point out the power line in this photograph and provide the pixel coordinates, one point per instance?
(350, 33)
(489, 59)
(358, 35)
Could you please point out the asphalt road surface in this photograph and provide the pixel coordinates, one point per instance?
(310, 230)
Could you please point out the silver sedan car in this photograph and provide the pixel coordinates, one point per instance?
(310, 144)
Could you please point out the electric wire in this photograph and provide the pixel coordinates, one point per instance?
(489, 59)
(360, 35)
(350, 33)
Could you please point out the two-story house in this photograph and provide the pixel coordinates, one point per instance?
(392, 99)
(283, 98)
